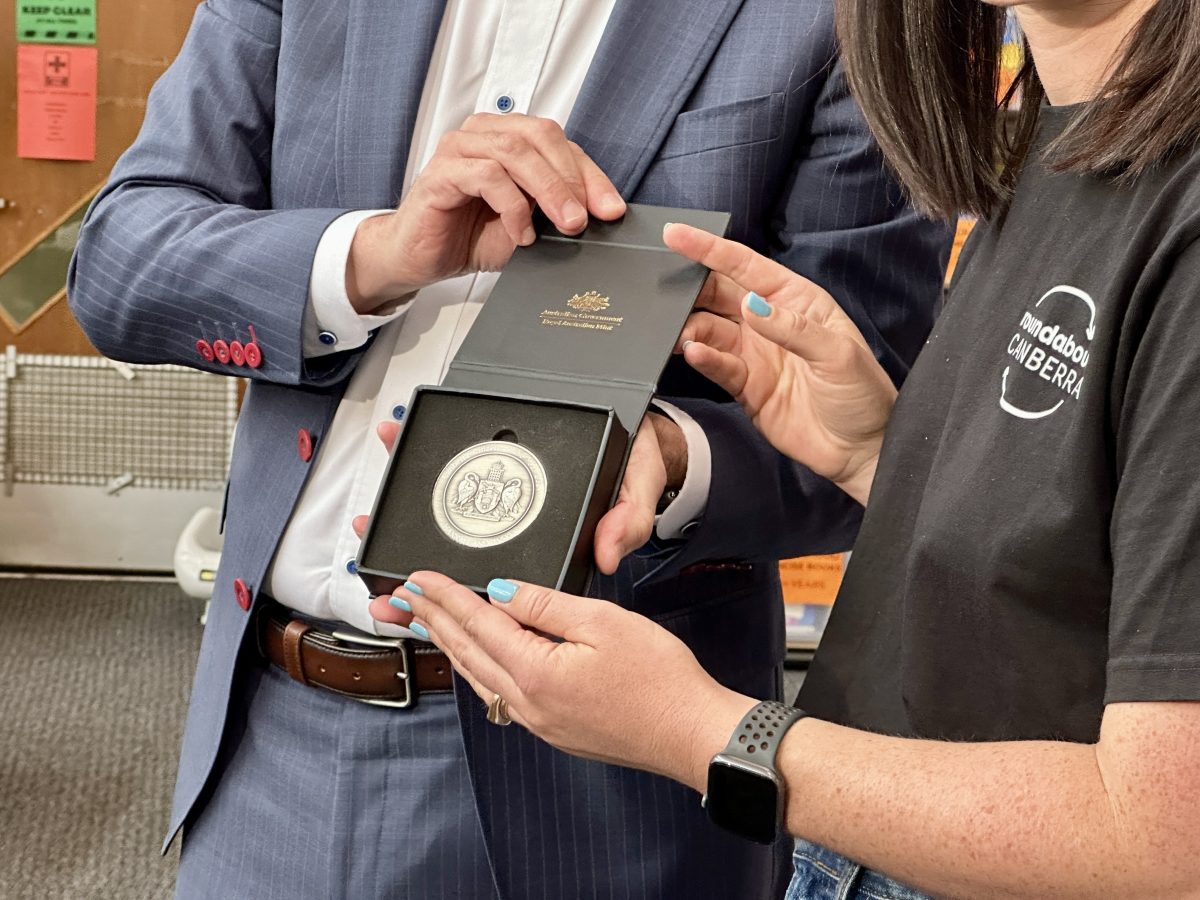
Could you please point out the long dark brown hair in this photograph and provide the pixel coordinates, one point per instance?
(927, 73)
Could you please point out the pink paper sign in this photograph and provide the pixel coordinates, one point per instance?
(56, 102)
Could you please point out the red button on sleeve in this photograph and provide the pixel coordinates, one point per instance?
(253, 353)
(241, 593)
(221, 349)
(204, 348)
(304, 444)
(237, 353)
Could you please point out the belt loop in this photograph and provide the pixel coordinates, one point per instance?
(292, 635)
(850, 881)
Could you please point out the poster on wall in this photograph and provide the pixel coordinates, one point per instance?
(56, 102)
(72, 22)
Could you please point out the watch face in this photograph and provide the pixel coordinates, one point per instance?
(743, 801)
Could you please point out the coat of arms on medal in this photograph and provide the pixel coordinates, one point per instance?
(489, 493)
(490, 498)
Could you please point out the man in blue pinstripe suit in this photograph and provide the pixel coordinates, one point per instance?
(252, 230)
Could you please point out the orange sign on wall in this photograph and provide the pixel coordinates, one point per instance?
(963, 231)
(812, 579)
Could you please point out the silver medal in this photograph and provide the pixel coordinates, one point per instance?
(489, 493)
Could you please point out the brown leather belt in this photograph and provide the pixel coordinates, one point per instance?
(377, 670)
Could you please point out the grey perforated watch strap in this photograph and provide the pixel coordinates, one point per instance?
(760, 732)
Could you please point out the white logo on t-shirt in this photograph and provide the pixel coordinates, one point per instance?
(1050, 355)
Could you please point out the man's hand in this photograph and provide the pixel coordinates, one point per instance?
(657, 462)
(472, 206)
(388, 432)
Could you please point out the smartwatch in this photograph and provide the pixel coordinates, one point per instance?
(745, 791)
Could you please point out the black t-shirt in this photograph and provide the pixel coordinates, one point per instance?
(1031, 550)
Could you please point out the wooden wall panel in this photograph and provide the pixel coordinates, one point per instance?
(136, 41)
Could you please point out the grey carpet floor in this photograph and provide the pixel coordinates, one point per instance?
(94, 680)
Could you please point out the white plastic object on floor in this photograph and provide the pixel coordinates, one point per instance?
(198, 553)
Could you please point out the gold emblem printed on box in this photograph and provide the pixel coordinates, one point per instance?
(592, 301)
(583, 313)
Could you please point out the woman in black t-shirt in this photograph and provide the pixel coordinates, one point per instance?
(1004, 703)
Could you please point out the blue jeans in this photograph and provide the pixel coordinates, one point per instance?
(821, 874)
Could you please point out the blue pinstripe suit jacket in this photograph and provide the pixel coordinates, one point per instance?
(279, 115)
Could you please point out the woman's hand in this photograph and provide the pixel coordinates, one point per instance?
(788, 353)
(471, 206)
(586, 694)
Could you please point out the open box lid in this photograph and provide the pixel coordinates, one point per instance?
(590, 318)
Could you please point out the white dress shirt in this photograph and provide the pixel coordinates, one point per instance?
(526, 56)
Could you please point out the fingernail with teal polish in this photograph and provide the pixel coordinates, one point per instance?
(419, 630)
(501, 589)
(414, 589)
(400, 603)
(758, 305)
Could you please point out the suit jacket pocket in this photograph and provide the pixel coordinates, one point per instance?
(735, 124)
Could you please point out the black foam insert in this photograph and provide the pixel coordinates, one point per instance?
(403, 536)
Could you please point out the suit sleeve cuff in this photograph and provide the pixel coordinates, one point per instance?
(331, 324)
(686, 510)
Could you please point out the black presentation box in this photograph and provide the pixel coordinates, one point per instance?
(554, 378)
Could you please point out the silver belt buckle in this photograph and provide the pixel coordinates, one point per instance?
(364, 640)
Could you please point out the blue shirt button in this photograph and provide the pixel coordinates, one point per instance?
(328, 338)
(351, 567)
(398, 412)
(505, 103)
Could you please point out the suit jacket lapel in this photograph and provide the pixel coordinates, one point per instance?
(651, 56)
(388, 48)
